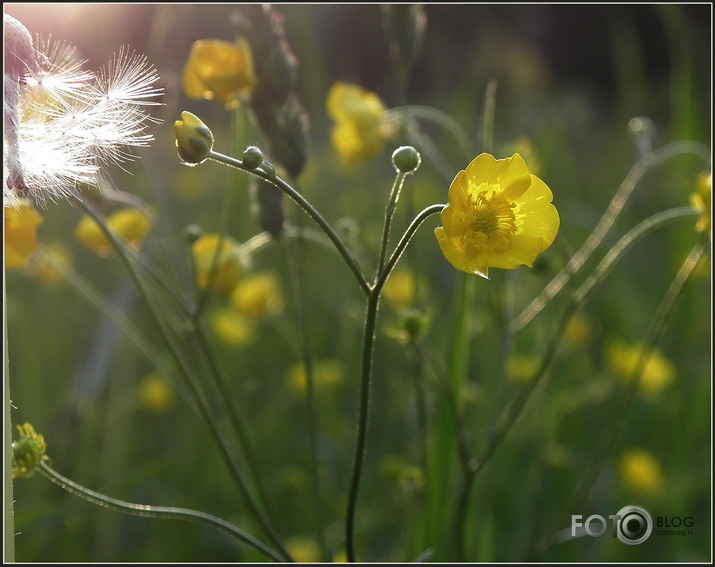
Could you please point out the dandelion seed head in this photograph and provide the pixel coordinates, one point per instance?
(62, 122)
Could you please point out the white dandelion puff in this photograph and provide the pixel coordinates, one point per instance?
(61, 122)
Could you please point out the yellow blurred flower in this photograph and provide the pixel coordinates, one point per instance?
(578, 330)
(231, 327)
(326, 373)
(639, 471)
(359, 131)
(701, 200)
(219, 69)
(522, 367)
(657, 374)
(21, 222)
(55, 254)
(498, 215)
(399, 289)
(217, 263)
(258, 295)
(303, 549)
(155, 393)
(525, 148)
(130, 225)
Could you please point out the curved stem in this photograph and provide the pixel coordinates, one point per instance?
(168, 512)
(438, 117)
(657, 327)
(512, 412)
(604, 225)
(184, 367)
(630, 238)
(405, 240)
(303, 203)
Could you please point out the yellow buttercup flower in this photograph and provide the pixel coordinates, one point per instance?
(130, 225)
(55, 254)
(219, 70)
(498, 215)
(21, 222)
(231, 327)
(578, 331)
(217, 263)
(155, 393)
(258, 295)
(326, 373)
(657, 374)
(701, 200)
(303, 549)
(639, 471)
(522, 367)
(399, 289)
(359, 131)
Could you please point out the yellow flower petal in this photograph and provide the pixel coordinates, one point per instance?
(358, 133)
(130, 225)
(217, 263)
(21, 224)
(702, 201)
(219, 69)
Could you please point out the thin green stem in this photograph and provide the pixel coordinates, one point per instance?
(296, 276)
(404, 241)
(368, 344)
(87, 291)
(8, 508)
(413, 111)
(305, 205)
(487, 119)
(657, 328)
(389, 214)
(630, 238)
(184, 367)
(165, 512)
(371, 310)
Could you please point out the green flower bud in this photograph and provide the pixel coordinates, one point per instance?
(194, 139)
(406, 159)
(27, 452)
(252, 157)
(269, 168)
(191, 233)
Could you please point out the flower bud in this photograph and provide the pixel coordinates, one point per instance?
(191, 233)
(27, 452)
(194, 139)
(406, 159)
(252, 157)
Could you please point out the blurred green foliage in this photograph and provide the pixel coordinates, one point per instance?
(569, 77)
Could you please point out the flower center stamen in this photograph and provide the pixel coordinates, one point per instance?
(494, 219)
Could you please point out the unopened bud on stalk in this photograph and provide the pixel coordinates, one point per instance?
(194, 139)
(191, 233)
(406, 159)
(27, 452)
(252, 157)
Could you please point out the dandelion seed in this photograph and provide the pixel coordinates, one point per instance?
(62, 122)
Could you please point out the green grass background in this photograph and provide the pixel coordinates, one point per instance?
(569, 78)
